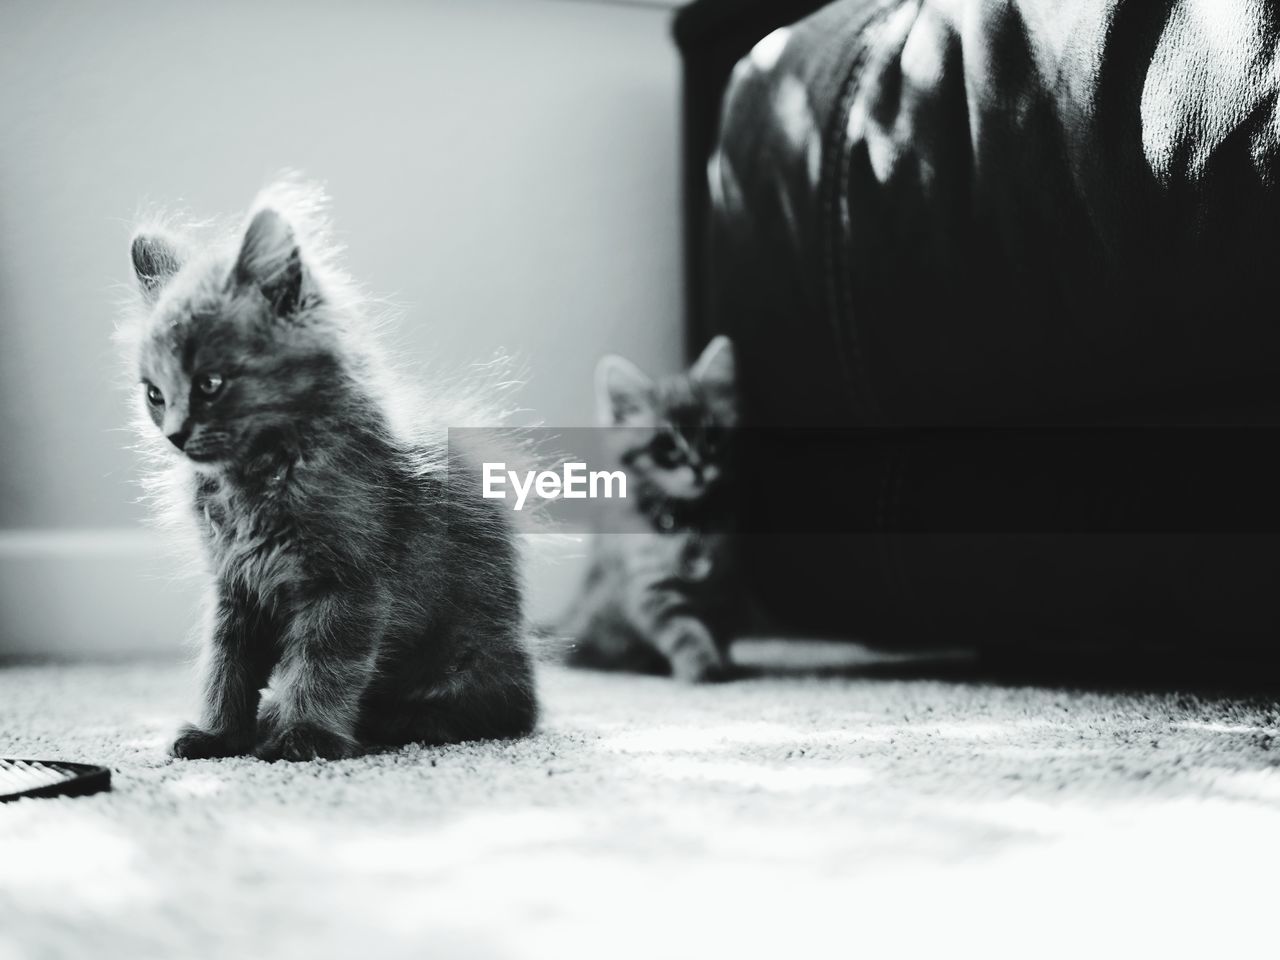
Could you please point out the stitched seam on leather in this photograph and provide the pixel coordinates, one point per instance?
(836, 152)
(835, 179)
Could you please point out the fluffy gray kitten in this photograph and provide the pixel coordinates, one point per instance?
(352, 563)
(662, 594)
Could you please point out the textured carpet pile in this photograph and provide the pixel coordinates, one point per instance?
(781, 816)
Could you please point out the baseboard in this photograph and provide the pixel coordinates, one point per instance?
(107, 594)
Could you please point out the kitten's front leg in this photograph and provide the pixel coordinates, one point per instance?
(690, 649)
(328, 658)
(669, 622)
(237, 661)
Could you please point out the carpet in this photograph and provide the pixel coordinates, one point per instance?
(781, 815)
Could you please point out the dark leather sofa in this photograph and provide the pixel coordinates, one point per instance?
(974, 214)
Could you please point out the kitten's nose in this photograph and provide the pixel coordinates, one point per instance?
(179, 439)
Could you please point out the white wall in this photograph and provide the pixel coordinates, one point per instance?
(506, 169)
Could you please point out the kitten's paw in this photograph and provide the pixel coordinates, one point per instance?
(196, 744)
(269, 723)
(306, 741)
(698, 664)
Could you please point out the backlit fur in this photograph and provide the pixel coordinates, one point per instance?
(353, 567)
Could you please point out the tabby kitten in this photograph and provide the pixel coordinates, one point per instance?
(380, 601)
(660, 595)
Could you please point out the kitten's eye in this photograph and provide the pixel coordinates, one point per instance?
(209, 385)
(664, 451)
(154, 396)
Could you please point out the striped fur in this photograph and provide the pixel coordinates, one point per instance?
(661, 593)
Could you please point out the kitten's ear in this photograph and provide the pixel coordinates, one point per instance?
(623, 392)
(715, 367)
(155, 261)
(270, 260)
